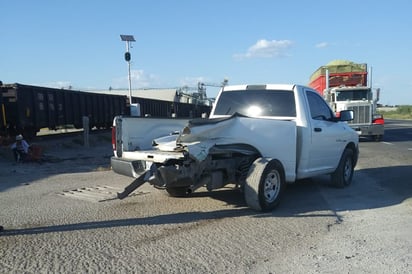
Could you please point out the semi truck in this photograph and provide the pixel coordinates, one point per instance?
(344, 85)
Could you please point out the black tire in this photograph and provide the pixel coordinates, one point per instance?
(265, 184)
(177, 191)
(378, 138)
(344, 172)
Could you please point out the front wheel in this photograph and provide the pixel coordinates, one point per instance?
(344, 172)
(264, 184)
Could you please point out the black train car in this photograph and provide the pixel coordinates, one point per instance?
(160, 108)
(153, 107)
(2, 112)
(191, 110)
(26, 109)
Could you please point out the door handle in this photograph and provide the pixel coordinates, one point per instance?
(318, 129)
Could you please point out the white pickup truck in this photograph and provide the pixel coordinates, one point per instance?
(257, 137)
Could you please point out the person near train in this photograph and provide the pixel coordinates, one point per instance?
(20, 149)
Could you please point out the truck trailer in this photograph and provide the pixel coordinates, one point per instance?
(344, 85)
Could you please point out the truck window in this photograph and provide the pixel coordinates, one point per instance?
(319, 109)
(356, 94)
(257, 103)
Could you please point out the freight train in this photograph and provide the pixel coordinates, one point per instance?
(25, 109)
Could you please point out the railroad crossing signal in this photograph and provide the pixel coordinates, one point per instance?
(128, 39)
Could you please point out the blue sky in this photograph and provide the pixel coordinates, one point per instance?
(180, 42)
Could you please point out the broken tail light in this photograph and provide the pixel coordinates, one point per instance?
(114, 138)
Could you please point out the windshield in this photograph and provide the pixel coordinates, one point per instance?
(358, 95)
(257, 103)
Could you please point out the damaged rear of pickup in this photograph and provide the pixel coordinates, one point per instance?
(258, 138)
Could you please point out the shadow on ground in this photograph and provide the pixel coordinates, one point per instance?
(372, 188)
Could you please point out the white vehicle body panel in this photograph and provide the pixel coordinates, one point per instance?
(138, 132)
(236, 130)
(272, 138)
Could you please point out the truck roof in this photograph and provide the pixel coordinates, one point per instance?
(262, 86)
(344, 88)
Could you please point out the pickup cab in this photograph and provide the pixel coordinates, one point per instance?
(257, 137)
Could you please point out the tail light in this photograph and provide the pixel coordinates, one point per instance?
(114, 138)
(378, 119)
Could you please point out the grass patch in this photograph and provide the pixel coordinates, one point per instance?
(401, 112)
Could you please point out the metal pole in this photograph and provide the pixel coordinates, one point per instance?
(370, 77)
(86, 128)
(326, 79)
(128, 39)
(129, 75)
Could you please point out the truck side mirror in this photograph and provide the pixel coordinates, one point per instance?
(346, 115)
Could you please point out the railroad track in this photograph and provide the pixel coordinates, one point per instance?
(46, 135)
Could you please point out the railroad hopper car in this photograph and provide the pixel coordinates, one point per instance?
(161, 108)
(2, 113)
(27, 109)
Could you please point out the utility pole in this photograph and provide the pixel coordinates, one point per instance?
(127, 56)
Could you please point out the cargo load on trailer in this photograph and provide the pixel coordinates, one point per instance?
(344, 85)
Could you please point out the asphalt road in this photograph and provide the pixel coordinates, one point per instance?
(398, 131)
(59, 218)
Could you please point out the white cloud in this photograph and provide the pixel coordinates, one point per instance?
(57, 84)
(139, 79)
(192, 81)
(322, 45)
(266, 49)
(142, 79)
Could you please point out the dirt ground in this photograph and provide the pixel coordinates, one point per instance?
(94, 156)
(53, 226)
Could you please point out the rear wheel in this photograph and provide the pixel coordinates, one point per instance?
(344, 172)
(264, 184)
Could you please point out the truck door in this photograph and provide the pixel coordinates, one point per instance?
(326, 149)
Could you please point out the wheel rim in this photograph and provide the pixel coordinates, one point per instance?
(272, 186)
(348, 170)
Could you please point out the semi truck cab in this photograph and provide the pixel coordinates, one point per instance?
(363, 102)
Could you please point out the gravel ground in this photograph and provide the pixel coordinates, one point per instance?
(59, 217)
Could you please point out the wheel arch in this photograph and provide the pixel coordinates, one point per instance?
(355, 150)
(277, 161)
(241, 148)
